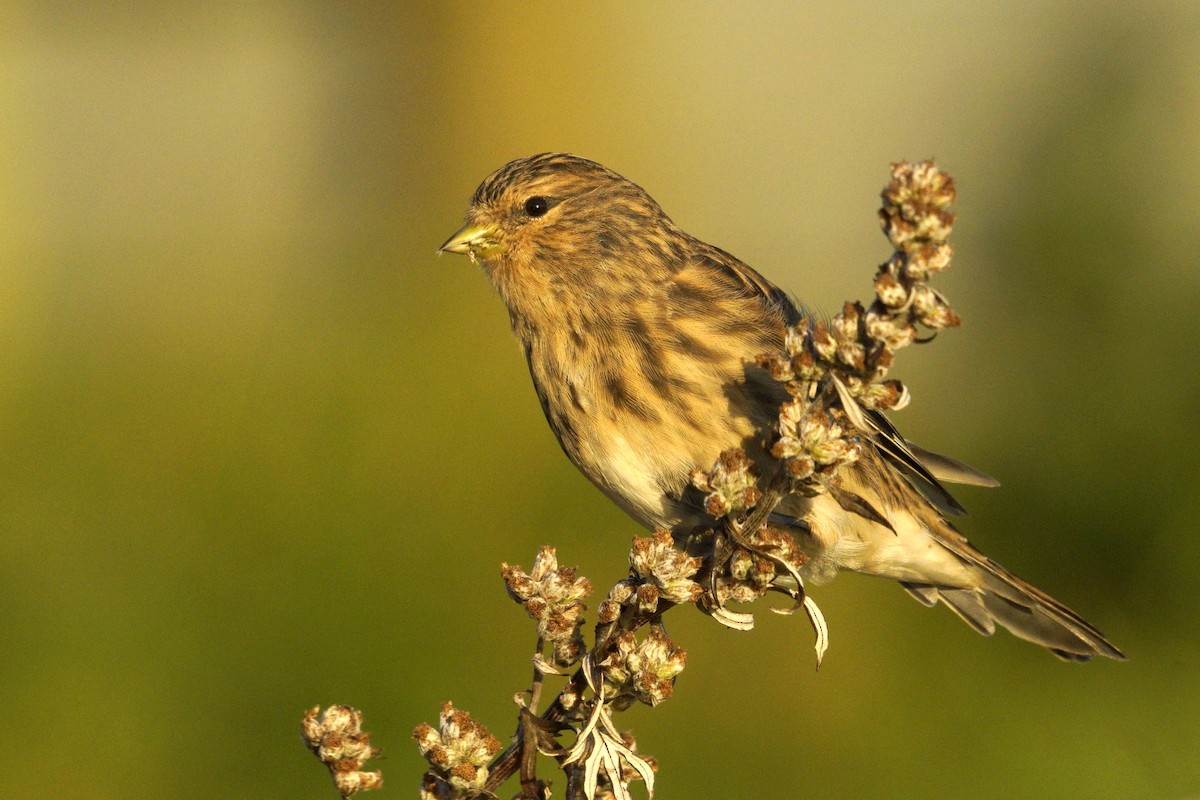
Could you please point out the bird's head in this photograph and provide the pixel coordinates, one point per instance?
(555, 220)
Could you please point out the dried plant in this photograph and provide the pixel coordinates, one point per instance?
(458, 753)
(337, 739)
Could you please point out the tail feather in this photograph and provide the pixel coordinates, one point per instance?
(1027, 612)
(971, 607)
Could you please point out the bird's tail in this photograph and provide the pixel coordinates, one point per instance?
(1029, 613)
(903, 535)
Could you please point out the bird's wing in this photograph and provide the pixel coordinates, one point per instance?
(899, 452)
(950, 469)
(748, 279)
(923, 469)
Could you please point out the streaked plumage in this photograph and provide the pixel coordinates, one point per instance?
(637, 337)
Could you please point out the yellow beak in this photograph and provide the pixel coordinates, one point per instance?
(470, 240)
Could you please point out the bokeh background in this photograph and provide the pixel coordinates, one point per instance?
(263, 450)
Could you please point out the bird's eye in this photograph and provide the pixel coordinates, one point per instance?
(537, 206)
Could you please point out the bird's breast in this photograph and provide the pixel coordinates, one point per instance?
(636, 416)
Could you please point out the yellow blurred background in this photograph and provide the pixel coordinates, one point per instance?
(263, 450)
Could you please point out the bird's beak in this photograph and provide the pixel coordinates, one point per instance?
(470, 240)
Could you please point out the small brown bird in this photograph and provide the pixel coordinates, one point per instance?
(637, 337)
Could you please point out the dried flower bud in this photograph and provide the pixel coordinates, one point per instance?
(795, 338)
(568, 651)
(337, 739)
(732, 484)
(552, 595)
(779, 544)
(779, 365)
(787, 447)
(661, 566)
(738, 591)
(853, 355)
(812, 443)
(888, 396)
(893, 332)
(622, 590)
(822, 343)
(915, 203)
(351, 783)
(458, 751)
(932, 310)
(845, 324)
(835, 452)
(936, 226)
(801, 468)
(926, 260)
(647, 599)
(890, 291)
(716, 505)
(806, 367)
(609, 611)
(642, 671)
(900, 232)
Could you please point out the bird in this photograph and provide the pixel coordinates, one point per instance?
(640, 341)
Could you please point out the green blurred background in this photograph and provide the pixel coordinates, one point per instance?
(263, 450)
